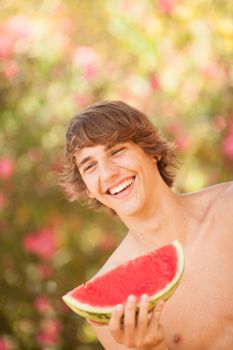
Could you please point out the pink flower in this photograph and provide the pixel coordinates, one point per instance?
(19, 26)
(65, 25)
(182, 142)
(11, 70)
(87, 60)
(15, 29)
(49, 332)
(154, 82)
(42, 305)
(56, 165)
(227, 146)
(182, 139)
(83, 100)
(219, 122)
(3, 344)
(166, 6)
(45, 271)
(107, 242)
(41, 243)
(7, 167)
(214, 71)
(6, 47)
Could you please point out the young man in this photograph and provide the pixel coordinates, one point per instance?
(117, 158)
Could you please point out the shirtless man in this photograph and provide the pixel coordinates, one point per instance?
(111, 142)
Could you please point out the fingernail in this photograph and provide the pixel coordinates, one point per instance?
(119, 307)
(144, 297)
(131, 298)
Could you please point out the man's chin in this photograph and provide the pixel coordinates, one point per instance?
(128, 210)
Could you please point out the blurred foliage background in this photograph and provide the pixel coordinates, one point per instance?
(170, 58)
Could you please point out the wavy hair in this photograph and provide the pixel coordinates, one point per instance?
(109, 123)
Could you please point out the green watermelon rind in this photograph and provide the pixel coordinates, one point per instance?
(103, 314)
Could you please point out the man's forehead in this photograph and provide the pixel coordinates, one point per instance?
(88, 150)
(86, 153)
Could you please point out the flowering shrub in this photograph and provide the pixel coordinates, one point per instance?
(6, 168)
(227, 145)
(41, 243)
(170, 58)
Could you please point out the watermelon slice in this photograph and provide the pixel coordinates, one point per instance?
(156, 273)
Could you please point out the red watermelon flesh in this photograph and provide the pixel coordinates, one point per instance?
(115, 286)
(156, 273)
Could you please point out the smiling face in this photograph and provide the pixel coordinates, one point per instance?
(121, 176)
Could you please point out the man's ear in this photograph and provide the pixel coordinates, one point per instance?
(157, 158)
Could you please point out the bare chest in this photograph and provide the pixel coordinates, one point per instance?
(200, 313)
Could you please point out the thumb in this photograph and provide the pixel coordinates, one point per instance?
(95, 323)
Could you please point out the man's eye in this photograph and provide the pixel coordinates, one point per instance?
(89, 167)
(116, 151)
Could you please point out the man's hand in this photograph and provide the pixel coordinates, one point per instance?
(144, 331)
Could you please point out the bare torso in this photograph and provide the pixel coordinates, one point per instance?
(199, 316)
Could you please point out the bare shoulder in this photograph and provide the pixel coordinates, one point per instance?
(227, 192)
(222, 211)
(214, 205)
(218, 201)
(213, 197)
(224, 200)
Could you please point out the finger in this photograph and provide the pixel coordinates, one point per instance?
(115, 323)
(142, 319)
(96, 323)
(155, 328)
(154, 332)
(130, 320)
(156, 313)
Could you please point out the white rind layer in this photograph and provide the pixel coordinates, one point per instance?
(164, 293)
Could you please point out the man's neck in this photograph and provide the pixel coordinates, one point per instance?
(168, 220)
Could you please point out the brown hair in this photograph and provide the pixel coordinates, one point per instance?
(112, 122)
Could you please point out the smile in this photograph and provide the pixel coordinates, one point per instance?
(121, 187)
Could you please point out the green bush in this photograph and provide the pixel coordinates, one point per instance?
(171, 59)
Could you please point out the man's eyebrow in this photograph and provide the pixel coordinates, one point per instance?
(113, 145)
(85, 160)
(108, 147)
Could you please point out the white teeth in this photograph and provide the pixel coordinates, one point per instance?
(120, 187)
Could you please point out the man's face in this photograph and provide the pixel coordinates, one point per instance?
(120, 176)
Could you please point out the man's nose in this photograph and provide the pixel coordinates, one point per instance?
(108, 170)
